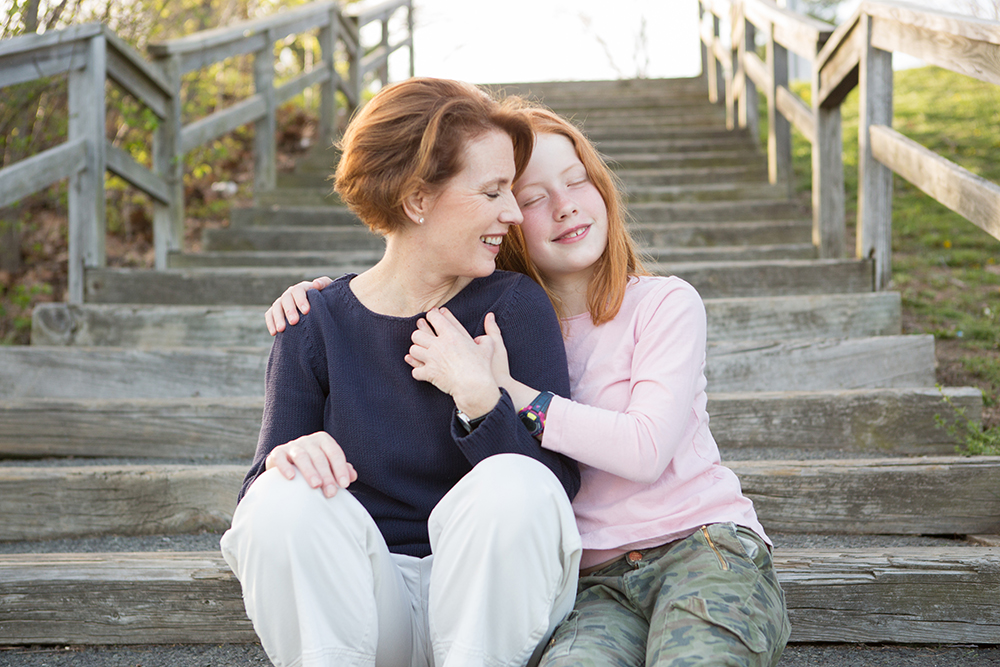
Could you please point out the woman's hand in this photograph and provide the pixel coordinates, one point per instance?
(444, 354)
(318, 457)
(292, 301)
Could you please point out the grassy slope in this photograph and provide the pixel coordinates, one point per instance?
(946, 268)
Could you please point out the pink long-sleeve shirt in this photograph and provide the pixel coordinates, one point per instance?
(650, 468)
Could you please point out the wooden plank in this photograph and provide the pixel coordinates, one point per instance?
(816, 365)
(756, 70)
(31, 66)
(870, 421)
(265, 147)
(874, 227)
(122, 164)
(961, 25)
(366, 12)
(794, 109)
(286, 91)
(55, 502)
(771, 278)
(242, 31)
(117, 373)
(52, 38)
(905, 596)
(801, 317)
(197, 428)
(911, 595)
(195, 60)
(86, 198)
(943, 495)
(215, 125)
(969, 195)
(828, 194)
(38, 172)
(839, 69)
(140, 78)
(799, 33)
(779, 130)
(120, 598)
(980, 60)
(811, 316)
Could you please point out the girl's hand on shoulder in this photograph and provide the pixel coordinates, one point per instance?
(286, 308)
(444, 354)
(318, 457)
(500, 363)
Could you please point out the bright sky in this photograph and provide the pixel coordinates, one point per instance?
(543, 40)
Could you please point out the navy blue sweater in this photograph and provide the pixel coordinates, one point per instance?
(341, 369)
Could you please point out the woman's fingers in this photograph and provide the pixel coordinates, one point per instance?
(294, 300)
(319, 458)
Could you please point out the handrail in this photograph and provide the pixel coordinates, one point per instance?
(856, 53)
(92, 53)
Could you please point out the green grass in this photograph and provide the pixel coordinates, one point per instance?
(946, 269)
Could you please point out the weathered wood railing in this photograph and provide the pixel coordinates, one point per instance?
(857, 53)
(91, 54)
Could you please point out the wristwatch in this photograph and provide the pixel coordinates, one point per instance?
(533, 416)
(468, 424)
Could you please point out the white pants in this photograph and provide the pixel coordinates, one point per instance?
(322, 588)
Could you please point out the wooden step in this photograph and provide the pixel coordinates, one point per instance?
(117, 373)
(753, 173)
(359, 260)
(302, 196)
(936, 495)
(927, 495)
(705, 192)
(810, 316)
(313, 237)
(261, 286)
(902, 595)
(209, 429)
(715, 233)
(685, 160)
(52, 502)
(768, 210)
(850, 363)
(865, 421)
(293, 216)
(871, 422)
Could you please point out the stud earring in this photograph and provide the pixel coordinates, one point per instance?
(421, 221)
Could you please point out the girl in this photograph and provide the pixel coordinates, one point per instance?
(676, 568)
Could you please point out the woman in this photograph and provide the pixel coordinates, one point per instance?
(676, 567)
(455, 544)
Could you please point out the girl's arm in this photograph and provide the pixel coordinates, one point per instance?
(666, 375)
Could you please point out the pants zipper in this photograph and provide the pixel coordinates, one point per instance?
(722, 561)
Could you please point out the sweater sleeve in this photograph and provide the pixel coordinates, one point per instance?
(295, 391)
(666, 374)
(536, 352)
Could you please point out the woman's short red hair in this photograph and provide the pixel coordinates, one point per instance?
(410, 137)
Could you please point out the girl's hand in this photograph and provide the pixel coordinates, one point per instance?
(520, 394)
(292, 301)
(500, 364)
(444, 354)
(318, 457)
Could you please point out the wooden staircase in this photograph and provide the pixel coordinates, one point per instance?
(137, 412)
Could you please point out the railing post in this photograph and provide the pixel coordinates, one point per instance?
(748, 112)
(779, 130)
(874, 237)
(701, 41)
(409, 32)
(87, 221)
(265, 148)
(354, 56)
(716, 85)
(328, 36)
(168, 164)
(827, 177)
(383, 71)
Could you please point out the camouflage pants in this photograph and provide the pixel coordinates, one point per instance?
(709, 599)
